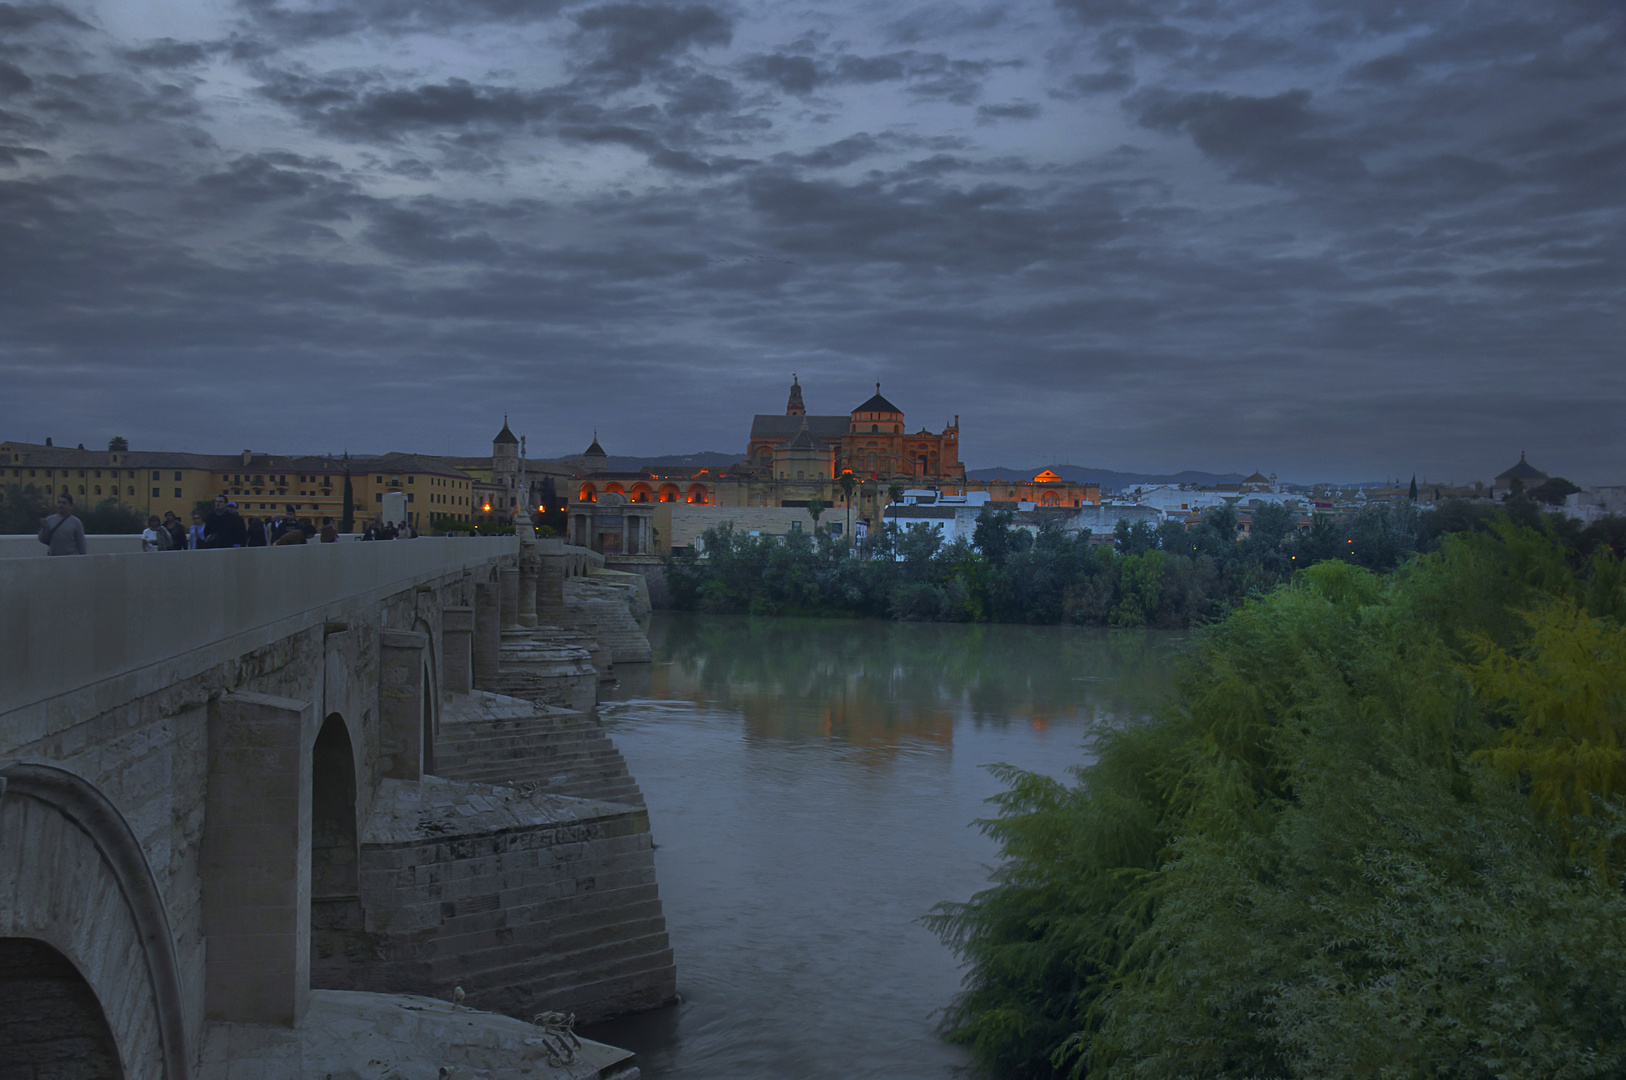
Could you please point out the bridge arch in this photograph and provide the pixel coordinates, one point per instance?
(335, 853)
(38, 983)
(99, 909)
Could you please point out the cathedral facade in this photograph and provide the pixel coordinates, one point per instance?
(872, 442)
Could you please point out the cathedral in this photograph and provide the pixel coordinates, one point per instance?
(871, 442)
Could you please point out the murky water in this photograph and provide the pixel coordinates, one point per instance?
(811, 786)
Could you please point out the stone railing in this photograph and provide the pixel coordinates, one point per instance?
(66, 623)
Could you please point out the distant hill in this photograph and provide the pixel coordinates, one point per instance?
(1108, 479)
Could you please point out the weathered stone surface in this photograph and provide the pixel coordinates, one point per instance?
(603, 610)
(529, 901)
(495, 739)
(363, 1036)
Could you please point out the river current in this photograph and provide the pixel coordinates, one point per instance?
(812, 787)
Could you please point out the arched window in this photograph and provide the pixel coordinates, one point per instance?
(698, 494)
(642, 493)
(670, 493)
(589, 493)
(874, 428)
(614, 487)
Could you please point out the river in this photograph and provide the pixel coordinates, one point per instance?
(811, 787)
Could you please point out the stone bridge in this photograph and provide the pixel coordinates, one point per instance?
(250, 798)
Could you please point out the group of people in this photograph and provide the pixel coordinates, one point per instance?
(224, 527)
(64, 534)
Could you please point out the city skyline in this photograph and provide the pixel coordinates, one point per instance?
(1333, 240)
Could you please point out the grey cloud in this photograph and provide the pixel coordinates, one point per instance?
(298, 25)
(13, 80)
(1384, 70)
(632, 40)
(1265, 139)
(1103, 82)
(12, 156)
(793, 74)
(928, 75)
(17, 17)
(167, 53)
(1016, 110)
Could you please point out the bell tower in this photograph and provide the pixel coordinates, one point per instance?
(794, 406)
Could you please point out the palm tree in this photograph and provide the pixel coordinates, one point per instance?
(815, 507)
(894, 492)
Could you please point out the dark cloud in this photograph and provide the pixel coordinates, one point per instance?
(1015, 110)
(15, 155)
(1264, 139)
(630, 41)
(292, 25)
(18, 17)
(927, 75)
(13, 80)
(168, 53)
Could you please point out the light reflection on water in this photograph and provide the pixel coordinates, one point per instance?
(811, 786)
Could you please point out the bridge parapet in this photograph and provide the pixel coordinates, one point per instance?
(65, 623)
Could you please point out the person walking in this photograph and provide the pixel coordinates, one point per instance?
(223, 528)
(282, 523)
(154, 537)
(62, 532)
(177, 531)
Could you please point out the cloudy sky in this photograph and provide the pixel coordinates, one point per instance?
(1330, 238)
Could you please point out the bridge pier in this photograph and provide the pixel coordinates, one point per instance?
(256, 864)
(487, 632)
(457, 649)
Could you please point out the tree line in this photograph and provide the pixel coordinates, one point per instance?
(1380, 830)
(1165, 576)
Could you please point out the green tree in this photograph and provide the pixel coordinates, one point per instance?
(1554, 491)
(1318, 859)
(815, 510)
(118, 443)
(894, 492)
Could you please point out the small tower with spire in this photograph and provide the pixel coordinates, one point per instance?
(794, 406)
(505, 460)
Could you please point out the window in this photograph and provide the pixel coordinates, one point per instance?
(155, 475)
(98, 489)
(409, 479)
(380, 479)
(409, 496)
(177, 493)
(378, 497)
(98, 476)
(874, 428)
(177, 475)
(155, 493)
(131, 490)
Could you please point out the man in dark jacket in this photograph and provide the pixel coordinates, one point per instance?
(223, 528)
(282, 523)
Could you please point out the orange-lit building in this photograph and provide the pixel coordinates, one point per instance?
(1044, 489)
(871, 441)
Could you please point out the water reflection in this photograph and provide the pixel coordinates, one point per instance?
(891, 685)
(811, 784)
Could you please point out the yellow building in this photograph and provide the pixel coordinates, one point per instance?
(156, 482)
